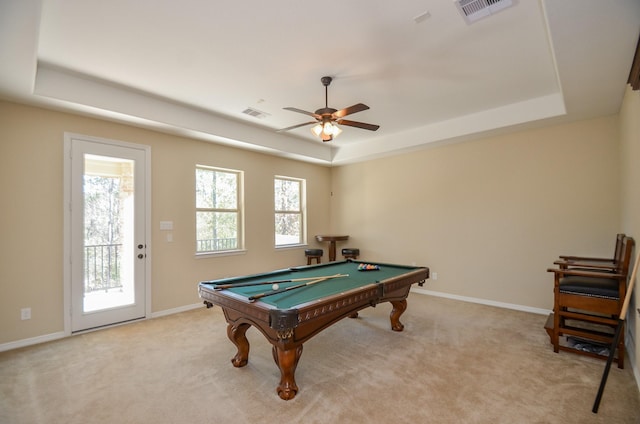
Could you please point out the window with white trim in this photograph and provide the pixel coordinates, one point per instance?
(290, 211)
(218, 209)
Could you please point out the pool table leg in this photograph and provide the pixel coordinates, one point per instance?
(236, 334)
(399, 306)
(287, 361)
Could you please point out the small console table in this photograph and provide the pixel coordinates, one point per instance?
(332, 244)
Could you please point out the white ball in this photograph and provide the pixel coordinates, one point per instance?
(275, 287)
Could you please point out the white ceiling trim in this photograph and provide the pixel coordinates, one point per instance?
(474, 124)
(162, 114)
(158, 113)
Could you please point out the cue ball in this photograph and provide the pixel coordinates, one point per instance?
(275, 287)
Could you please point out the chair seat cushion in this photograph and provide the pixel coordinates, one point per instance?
(313, 252)
(350, 251)
(605, 288)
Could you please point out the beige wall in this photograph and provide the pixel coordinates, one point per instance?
(630, 154)
(31, 220)
(488, 216)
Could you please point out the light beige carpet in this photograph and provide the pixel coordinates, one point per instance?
(455, 362)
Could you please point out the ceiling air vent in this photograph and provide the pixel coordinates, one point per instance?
(255, 113)
(473, 10)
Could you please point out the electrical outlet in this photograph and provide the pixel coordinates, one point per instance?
(434, 276)
(25, 313)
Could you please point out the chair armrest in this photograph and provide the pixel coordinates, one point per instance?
(595, 274)
(584, 264)
(584, 258)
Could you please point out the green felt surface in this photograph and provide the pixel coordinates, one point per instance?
(291, 298)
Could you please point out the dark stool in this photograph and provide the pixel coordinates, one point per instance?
(349, 253)
(313, 254)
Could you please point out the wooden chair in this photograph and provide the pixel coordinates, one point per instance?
(588, 298)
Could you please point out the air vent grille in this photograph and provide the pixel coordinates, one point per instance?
(473, 10)
(255, 113)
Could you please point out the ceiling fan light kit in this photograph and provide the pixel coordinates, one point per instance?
(327, 119)
(326, 130)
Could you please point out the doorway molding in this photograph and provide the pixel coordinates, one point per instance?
(67, 305)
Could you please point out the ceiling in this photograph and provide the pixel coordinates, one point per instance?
(192, 67)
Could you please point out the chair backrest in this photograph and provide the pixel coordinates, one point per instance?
(623, 259)
(617, 253)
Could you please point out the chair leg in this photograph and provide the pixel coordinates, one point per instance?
(556, 332)
(621, 347)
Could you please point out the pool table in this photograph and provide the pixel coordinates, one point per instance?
(290, 317)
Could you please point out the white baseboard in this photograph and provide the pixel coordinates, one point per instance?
(32, 341)
(61, 334)
(483, 301)
(631, 353)
(177, 310)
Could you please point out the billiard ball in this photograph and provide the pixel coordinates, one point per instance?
(275, 287)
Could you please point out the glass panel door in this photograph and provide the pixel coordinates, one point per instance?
(108, 243)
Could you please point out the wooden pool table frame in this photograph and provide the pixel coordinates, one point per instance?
(287, 330)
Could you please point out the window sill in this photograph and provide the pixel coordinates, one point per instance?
(206, 255)
(291, 246)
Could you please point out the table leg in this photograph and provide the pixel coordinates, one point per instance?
(332, 251)
(237, 336)
(287, 361)
(399, 306)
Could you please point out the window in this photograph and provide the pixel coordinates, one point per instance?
(218, 211)
(289, 211)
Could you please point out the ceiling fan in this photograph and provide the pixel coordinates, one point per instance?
(327, 118)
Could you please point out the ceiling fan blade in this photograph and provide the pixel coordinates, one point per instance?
(370, 127)
(349, 110)
(295, 109)
(296, 126)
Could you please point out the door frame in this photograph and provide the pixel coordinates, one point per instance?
(67, 271)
